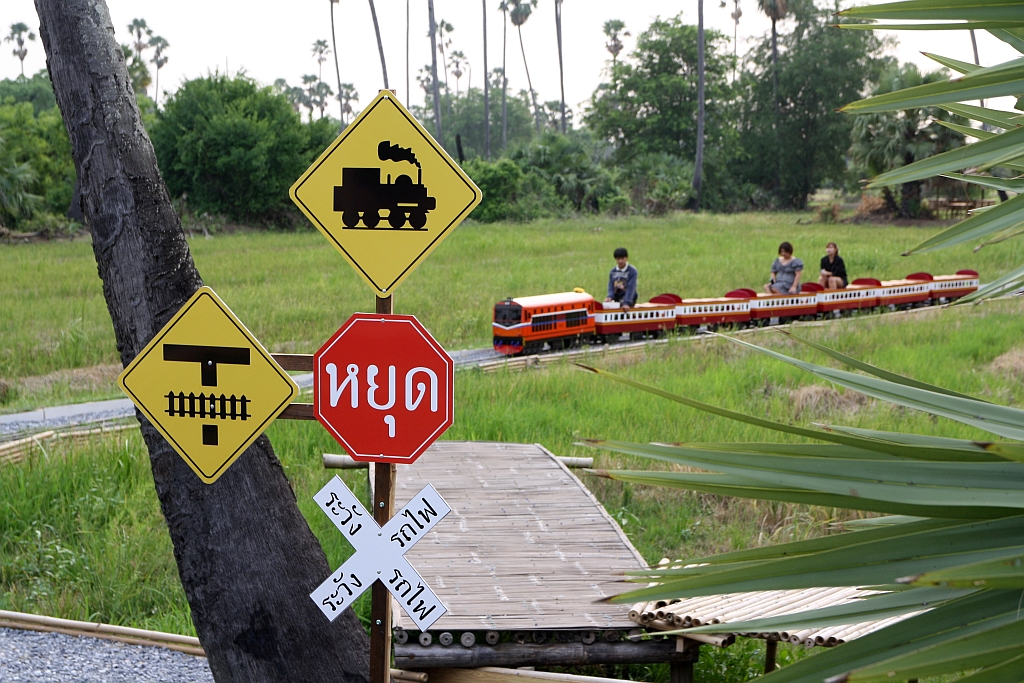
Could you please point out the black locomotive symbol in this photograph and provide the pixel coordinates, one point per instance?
(362, 196)
(207, 406)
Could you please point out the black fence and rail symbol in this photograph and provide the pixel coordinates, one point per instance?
(211, 406)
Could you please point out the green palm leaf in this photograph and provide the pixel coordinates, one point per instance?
(1005, 184)
(997, 149)
(1001, 420)
(997, 81)
(994, 117)
(941, 10)
(1007, 572)
(954, 64)
(877, 372)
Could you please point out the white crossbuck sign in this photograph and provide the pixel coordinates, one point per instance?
(380, 553)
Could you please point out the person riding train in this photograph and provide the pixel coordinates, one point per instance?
(786, 271)
(833, 269)
(622, 281)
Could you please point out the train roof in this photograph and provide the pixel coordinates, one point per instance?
(560, 299)
(716, 300)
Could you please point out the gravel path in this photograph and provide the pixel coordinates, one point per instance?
(33, 657)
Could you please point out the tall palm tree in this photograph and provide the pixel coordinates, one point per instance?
(612, 29)
(487, 91)
(520, 12)
(159, 44)
(503, 6)
(337, 69)
(776, 11)
(561, 70)
(698, 170)
(408, 92)
(347, 94)
(433, 71)
(444, 40)
(19, 33)
(141, 33)
(320, 52)
(309, 92)
(457, 61)
(380, 45)
(735, 16)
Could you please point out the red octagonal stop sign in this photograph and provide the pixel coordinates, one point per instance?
(383, 387)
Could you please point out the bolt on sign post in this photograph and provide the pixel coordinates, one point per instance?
(385, 193)
(207, 385)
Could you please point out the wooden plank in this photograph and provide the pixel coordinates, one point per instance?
(492, 674)
(526, 545)
(295, 362)
(415, 656)
(297, 411)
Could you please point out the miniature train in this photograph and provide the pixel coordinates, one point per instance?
(524, 325)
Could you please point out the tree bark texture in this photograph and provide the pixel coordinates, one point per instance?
(246, 557)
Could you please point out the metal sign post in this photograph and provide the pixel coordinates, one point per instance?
(383, 506)
(385, 194)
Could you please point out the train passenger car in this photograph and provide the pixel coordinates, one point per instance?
(905, 293)
(950, 287)
(771, 308)
(695, 313)
(524, 324)
(641, 320)
(851, 298)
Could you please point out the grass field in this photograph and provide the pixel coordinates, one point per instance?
(81, 535)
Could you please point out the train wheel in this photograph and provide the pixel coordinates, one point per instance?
(418, 219)
(396, 218)
(371, 218)
(350, 218)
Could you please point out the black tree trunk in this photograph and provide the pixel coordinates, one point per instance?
(246, 557)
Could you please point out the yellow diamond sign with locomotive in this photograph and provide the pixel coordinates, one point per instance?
(385, 193)
(207, 385)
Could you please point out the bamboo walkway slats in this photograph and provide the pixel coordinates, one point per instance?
(526, 545)
(739, 607)
(12, 452)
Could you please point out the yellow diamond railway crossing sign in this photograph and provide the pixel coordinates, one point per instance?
(207, 385)
(385, 193)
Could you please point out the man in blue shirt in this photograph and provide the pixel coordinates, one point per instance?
(622, 281)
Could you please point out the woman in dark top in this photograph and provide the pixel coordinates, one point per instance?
(833, 270)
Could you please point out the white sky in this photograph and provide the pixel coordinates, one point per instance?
(272, 40)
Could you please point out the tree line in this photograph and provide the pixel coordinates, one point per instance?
(230, 147)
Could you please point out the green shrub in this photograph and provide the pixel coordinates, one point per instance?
(50, 225)
(510, 194)
(659, 182)
(41, 143)
(829, 213)
(234, 148)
